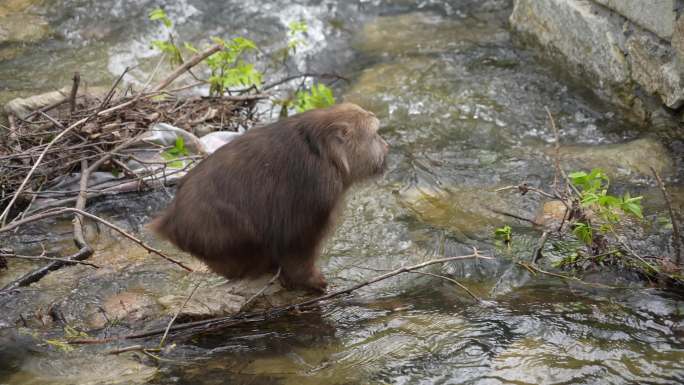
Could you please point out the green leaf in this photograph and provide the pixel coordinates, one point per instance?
(190, 47)
(159, 14)
(319, 96)
(296, 27)
(583, 232)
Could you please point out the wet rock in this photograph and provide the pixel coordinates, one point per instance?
(631, 159)
(551, 214)
(82, 369)
(618, 56)
(14, 6)
(205, 302)
(129, 307)
(657, 16)
(23, 28)
(654, 68)
(587, 36)
(423, 32)
(467, 212)
(387, 87)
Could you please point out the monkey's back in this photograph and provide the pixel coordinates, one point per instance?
(271, 192)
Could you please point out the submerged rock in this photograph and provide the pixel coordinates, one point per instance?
(23, 28)
(630, 159)
(83, 369)
(469, 212)
(423, 33)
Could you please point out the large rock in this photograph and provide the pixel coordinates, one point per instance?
(654, 68)
(657, 16)
(621, 47)
(586, 36)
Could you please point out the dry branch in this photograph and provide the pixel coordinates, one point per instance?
(65, 210)
(676, 234)
(242, 318)
(196, 59)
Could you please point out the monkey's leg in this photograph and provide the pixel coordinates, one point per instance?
(299, 270)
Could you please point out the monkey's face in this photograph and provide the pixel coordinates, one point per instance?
(366, 149)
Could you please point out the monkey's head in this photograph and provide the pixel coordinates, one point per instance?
(351, 135)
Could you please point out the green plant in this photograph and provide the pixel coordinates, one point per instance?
(318, 96)
(295, 30)
(228, 69)
(504, 234)
(167, 47)
(173, 154)
(609, 209)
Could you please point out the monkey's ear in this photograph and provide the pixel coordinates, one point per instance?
(338, 146)
(342, 131)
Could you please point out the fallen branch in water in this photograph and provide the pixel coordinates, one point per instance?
(64, 210)
(676, 234)
(242, 318)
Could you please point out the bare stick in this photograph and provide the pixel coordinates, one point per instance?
(214, 323)
(537, 253)
(523, 189)
(133, 348)
(110, 93)
(556, 156)
(46, 258)
(5, 213)
(455, 282)
(74, 91)
(64, 210)
(196, 59)
(507, 214)
(304, 75)
(676, 235)
(166, 332)
(260, 292)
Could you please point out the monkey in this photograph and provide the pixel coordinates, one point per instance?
(269, 198)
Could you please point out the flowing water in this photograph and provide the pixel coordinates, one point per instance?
(464, 110)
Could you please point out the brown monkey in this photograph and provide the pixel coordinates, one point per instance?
(268, 198)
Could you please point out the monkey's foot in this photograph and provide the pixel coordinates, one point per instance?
(313, 281)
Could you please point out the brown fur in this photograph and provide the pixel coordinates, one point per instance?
(268, 198)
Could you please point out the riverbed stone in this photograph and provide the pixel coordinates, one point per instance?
(424, 32)
(23, 28)
(82, 369)
(465, 212)
(631, 159)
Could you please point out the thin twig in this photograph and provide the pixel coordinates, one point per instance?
(525, 188)
(676, 235)
(260, 292)
(196, 59)
(215, 323)
(166, 332)
(455, 282)
(46, 258)
(556, 156)
(65, 210)
(74, 91)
